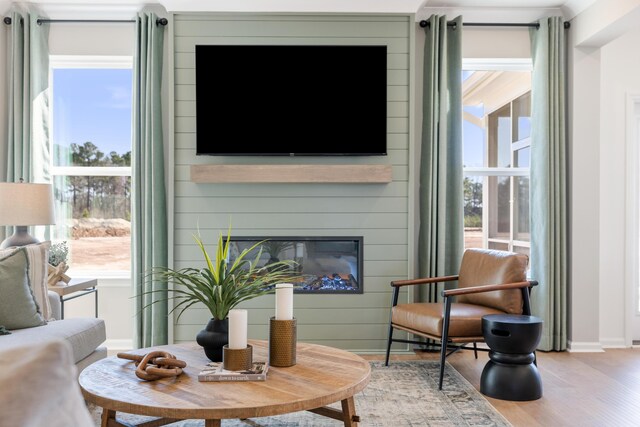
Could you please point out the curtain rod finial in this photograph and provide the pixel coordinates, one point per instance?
(7, 20)
(424, 23)
(162, 21)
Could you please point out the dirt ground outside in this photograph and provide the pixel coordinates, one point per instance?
(100, 253)
(472, 238)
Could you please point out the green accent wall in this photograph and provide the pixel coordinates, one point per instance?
(381, 213)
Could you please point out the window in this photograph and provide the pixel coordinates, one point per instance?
(497, 144)
(91, 161)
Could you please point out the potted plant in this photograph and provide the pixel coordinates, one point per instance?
(220, 286)
(58, 265)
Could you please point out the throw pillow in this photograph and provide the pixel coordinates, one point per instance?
(38, 255)
(18, 309)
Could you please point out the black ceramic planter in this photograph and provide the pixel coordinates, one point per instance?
(213, 337)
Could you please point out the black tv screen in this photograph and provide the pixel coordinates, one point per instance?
(291, 100)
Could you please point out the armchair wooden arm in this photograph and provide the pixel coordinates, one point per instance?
(397, 284)
(488, 288)
(429, 280)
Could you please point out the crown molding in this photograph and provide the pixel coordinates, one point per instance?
(84, 9)
(299, 6)
(574, 7)
(491, 14)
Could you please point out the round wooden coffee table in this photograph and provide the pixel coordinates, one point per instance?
(322, 375)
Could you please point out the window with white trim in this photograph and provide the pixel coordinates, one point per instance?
(497, 144)
(90, 136)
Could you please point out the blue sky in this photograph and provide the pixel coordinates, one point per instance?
(92, 105)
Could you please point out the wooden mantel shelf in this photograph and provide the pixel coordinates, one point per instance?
(335, 174)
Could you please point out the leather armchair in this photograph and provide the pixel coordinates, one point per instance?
(489, 282)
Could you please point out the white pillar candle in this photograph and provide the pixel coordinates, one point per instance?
(284, 301)
(237, 329)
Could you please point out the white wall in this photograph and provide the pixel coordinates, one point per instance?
(620, 75)
(91, 39)
(481, 42)
(584, 195)
(604, 70)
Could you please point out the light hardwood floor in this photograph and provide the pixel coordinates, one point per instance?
(579, 389)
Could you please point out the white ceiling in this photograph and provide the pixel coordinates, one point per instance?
(569, 7)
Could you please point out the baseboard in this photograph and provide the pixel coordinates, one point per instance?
(584, 347)
(118, 345)
(614, 343)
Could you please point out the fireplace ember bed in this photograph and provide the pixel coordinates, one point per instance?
(324, 265)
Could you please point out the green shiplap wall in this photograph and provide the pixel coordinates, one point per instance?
(379, 213)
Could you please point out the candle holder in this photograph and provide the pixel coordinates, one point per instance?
(237, 359)
(282, 342)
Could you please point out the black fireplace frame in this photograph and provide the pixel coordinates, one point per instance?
(359, 240)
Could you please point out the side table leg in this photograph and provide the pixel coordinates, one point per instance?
(212, 423)
(349, 412)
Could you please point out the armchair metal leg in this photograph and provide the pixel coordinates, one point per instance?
(386, 360)
(445, 338)
(396, 293)
(475, 350)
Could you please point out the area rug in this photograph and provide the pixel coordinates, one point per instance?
(402, 394)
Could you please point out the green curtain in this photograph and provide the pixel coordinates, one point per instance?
(149, 206)
(549, 181)
(27, 100)
(441, 236)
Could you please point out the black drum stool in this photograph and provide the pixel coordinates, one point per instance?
(511, 374)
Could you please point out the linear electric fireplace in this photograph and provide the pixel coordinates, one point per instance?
(326, 265)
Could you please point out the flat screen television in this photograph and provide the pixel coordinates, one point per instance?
(291, 100)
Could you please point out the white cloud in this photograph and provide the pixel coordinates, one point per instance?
(119, 97)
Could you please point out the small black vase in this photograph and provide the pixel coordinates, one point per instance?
(213, 337)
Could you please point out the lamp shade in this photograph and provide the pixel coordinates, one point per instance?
(26, 204)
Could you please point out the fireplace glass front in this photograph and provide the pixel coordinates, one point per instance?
(322, 264)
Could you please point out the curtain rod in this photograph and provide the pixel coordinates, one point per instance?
(40, 21)
(424, 23)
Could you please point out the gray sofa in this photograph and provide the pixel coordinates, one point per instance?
(84, 334)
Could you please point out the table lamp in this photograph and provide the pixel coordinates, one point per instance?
(24, 204)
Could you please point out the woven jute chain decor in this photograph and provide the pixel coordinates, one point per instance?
(155, 365)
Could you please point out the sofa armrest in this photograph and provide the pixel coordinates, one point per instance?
(54, 301)
(38, 387)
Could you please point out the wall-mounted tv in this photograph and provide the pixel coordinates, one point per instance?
(291, 100)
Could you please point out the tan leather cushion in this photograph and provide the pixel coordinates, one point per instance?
(488, 267)
(465, 319)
